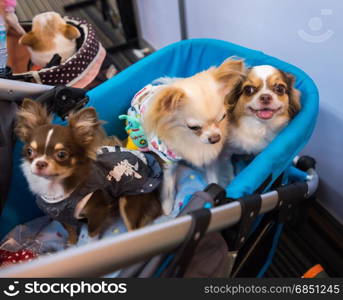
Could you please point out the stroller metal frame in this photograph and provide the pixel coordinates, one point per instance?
(105, 256)
(12, 90)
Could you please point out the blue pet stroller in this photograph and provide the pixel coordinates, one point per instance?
(275, 180)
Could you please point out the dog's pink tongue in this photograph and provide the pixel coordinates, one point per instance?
(265, 114)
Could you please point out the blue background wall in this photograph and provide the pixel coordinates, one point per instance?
(307, 33)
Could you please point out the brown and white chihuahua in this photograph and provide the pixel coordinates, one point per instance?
(261, 105)
(57, 160)
(50, 35)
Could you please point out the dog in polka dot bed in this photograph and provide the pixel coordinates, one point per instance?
(50, 35)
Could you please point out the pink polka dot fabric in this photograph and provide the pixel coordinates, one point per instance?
(71, 69)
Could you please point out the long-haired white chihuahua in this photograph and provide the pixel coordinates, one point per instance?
(186, 119)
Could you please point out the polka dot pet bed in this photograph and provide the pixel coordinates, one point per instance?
(80, 69)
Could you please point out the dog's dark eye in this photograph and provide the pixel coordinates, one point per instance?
(62, 155)
(249, 90)
(30, 152)
(223, 117)
(194, 128)
(279, 89)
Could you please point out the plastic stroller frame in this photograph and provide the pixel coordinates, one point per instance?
(105, 256)
(12, 90)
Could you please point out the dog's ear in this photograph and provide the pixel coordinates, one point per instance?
(229, 73)
(31, 115)
(28, 39)
(85, 125)
(70, 32)
(233, 97)
(169, 99)
(293, 95)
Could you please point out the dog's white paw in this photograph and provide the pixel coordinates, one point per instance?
(211, 173)
(168, 188)
(167, 207)
(168, 198)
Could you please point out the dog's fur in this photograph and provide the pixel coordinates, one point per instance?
(189, 116)
(261, 105)
(50, 35)
(67, 153)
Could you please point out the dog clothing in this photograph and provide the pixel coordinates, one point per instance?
(116, 171)
(139, 104)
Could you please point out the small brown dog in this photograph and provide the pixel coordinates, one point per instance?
(77, 175)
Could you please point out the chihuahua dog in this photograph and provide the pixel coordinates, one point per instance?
(76, 174)
(186, 119)
(261, 105)
(50, 35)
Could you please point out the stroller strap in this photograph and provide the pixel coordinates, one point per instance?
(200, 221)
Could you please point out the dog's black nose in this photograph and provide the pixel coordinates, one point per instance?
(41, 164)
(266, 98)
(214, 138)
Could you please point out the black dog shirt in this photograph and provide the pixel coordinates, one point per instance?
(116, 171)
